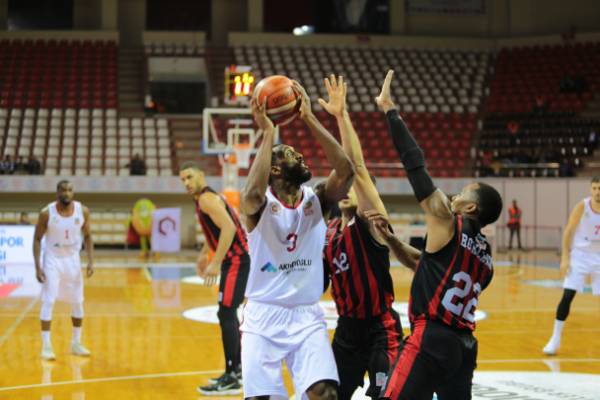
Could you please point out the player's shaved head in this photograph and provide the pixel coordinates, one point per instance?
(189, 165)
(60, 184)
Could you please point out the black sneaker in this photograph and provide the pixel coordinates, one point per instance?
(237, 374)
(227, 384)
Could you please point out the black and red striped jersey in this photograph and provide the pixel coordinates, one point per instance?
(359, 267)
(239, 246)
(447, 283)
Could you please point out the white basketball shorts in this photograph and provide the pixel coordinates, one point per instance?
(298, 335)
(64, 280)
(583, 263)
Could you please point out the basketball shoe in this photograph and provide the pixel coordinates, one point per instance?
(227, 384)
(47, 352)
(552, 346)
(237, 373)
(79, 350)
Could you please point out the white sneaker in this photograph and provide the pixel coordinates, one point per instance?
(47, 352)
(79, 350)
(552, 347)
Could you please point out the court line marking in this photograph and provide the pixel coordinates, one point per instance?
(110, 379)
(190, 373)
(530, 360)
(17, 321)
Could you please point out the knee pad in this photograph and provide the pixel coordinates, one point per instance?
(77, 310)
(226, 313)
(46, 311)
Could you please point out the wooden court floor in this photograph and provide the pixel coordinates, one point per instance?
(142, 347)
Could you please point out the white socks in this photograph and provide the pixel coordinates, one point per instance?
(554, 343)
(46, 337)
(76, 334)
(558, 328)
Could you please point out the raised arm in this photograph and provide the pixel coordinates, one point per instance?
(339, 181)
(40, 231)
(567, 239)
(366, 192)
(438, 214)
(253, 195)
(87, 240)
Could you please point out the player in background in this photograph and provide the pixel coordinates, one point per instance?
(368, 330)
(456, 265)
(286, 223)
(227, 239)
(580, 257)
(62, 224)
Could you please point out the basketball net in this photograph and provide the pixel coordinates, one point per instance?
(241, 155)
(231, 163)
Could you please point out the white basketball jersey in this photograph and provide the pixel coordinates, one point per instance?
(286, 252)
(63, 236)
(587, 235)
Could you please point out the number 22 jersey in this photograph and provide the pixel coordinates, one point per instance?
(286, 248)
(447, 283)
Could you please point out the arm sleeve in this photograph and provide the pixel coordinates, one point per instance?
(411, 155)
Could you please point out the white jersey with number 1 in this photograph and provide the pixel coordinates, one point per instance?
(286, 248)
(63, 234)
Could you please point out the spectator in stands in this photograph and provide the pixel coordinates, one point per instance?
(137, 166)
(593, 138)
(540, 106)
(20, 166)
(7, 166)
(33, 166)
(566, 169)
(24, 219)
(149, 105)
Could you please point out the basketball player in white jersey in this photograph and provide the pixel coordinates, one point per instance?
(580, 258)
(286, 234)
(62, 224)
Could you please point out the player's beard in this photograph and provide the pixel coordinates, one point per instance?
(296, 174)
(64, 201)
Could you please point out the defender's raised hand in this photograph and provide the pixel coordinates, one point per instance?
(384, 100)
(336, 90)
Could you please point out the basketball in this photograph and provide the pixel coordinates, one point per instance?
(283, 101)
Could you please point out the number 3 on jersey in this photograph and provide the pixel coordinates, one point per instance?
(291, 238)
(457, 307)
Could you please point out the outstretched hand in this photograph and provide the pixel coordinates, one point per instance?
(380, 223)
(336, 90)
(305, 106)
(259, 111)
(384, 100)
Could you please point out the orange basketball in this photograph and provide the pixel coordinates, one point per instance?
(283, 101)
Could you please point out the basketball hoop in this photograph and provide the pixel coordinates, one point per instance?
(241, 155)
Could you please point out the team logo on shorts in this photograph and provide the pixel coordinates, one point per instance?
(308, 208)
(275, 208)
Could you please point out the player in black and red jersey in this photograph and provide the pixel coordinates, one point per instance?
(227, 239)
(440, 354)
(368, 332)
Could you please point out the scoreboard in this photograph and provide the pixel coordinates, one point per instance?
(239, 84)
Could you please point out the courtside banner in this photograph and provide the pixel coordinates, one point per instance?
(16, 244)
(166, 224)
